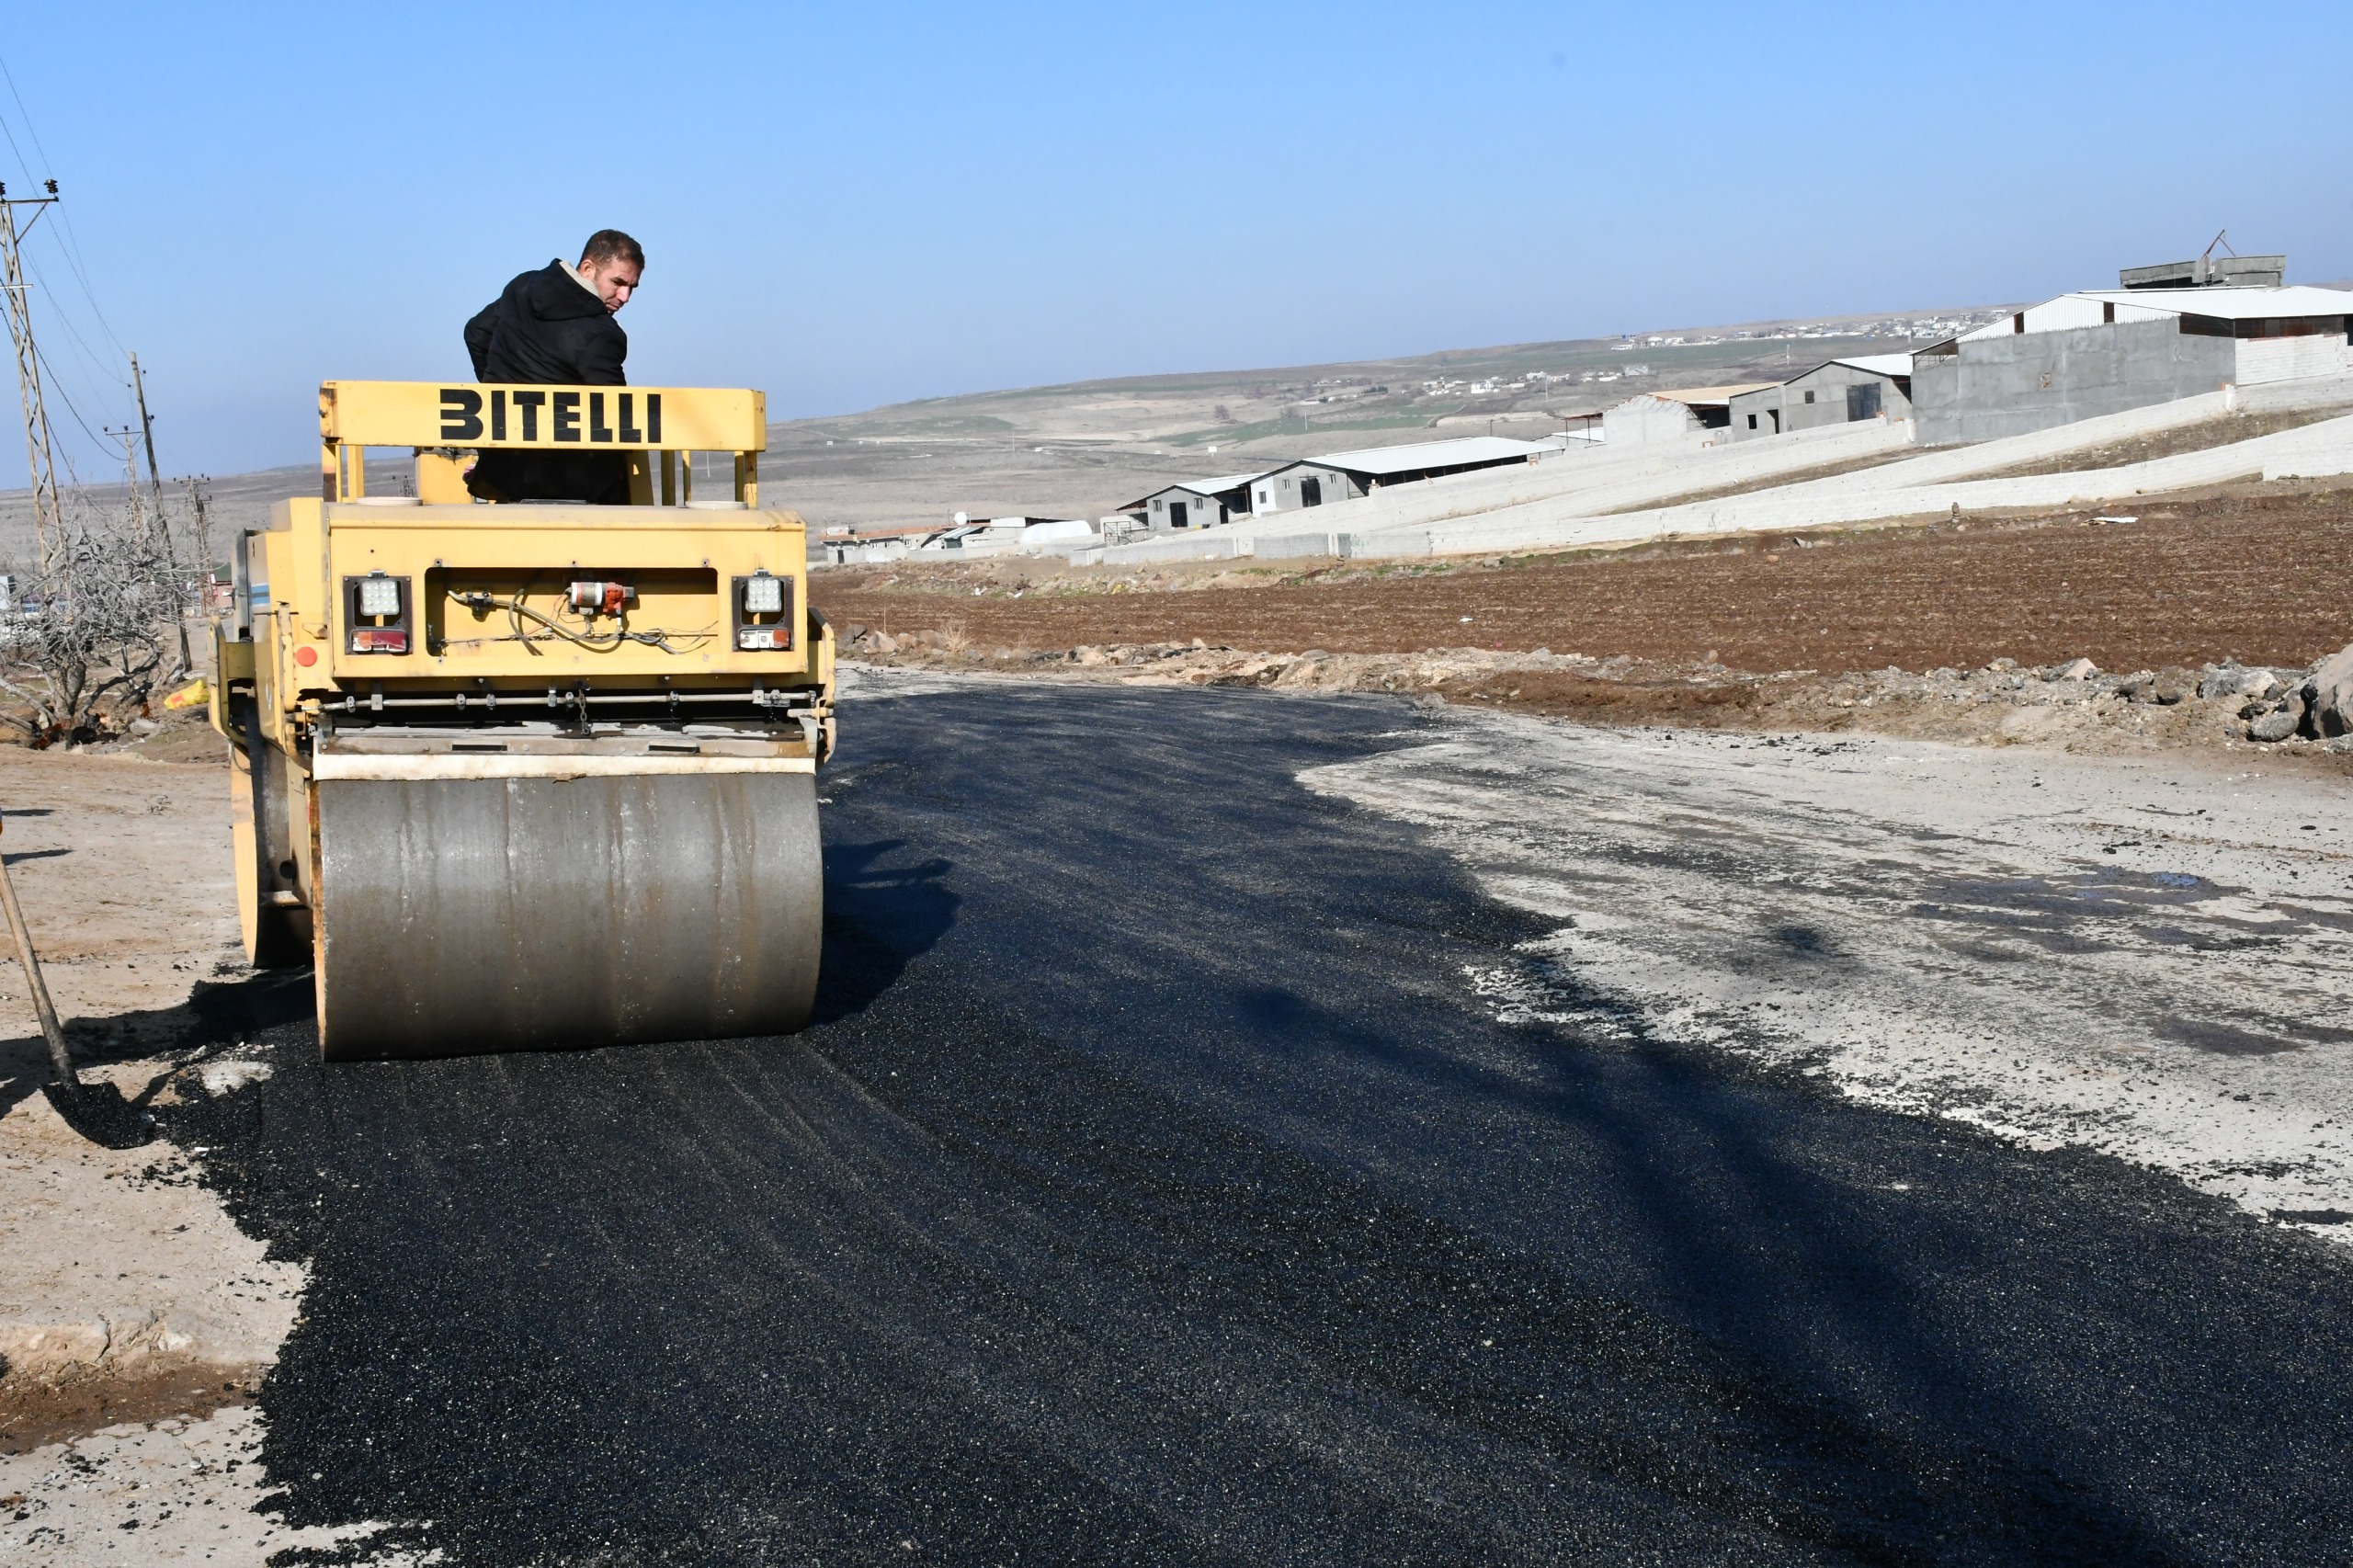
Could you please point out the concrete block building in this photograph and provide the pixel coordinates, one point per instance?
(1307, 482)
(1197, 503)
(1342, 476)
(1837, 391)
(2104, 351)
(1696, 414)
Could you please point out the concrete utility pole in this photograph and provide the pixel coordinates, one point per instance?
(162, 524)
(47, 520)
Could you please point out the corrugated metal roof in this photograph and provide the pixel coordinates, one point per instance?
(1432, 454)
(1708, 394)
(1222, 481)
(1879, 364)
(1206, 487)
(2234, 304)
(2086, 307)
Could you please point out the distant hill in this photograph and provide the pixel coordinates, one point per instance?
(1083, 448)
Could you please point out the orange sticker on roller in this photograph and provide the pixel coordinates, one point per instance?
(306, 655)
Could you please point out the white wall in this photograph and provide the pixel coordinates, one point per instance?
(1646, 418)
(2291, 359)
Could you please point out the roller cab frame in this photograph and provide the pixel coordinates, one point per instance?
(533, 775)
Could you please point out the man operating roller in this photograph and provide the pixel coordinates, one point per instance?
(556, 326)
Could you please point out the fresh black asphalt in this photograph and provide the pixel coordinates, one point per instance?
(1155, 1188)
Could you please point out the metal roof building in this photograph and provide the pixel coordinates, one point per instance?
(2104, 350)
(1428, 459)
(1195, 504)
(1344, 476)
(2100, 307)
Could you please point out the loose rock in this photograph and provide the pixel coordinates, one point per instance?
(2329, 696)
(2282, 720)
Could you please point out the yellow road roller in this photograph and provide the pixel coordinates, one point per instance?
(535, 775)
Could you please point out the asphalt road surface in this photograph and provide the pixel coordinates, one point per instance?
(1157, 1189)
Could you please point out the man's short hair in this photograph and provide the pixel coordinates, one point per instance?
(606, 244)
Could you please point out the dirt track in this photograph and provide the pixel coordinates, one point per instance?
(2250, 577)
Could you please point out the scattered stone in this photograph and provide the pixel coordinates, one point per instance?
(2328, 696)
(2003, 664)
(2282, 721)
(2081, 669)
(2219, 681)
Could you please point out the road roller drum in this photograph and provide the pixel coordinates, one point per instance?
(530, 777)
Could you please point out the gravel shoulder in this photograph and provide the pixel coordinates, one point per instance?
(136, 1320)
(2087, 952)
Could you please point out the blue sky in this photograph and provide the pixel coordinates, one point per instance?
(853, 205)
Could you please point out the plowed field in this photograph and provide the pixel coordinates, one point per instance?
(2259, 577)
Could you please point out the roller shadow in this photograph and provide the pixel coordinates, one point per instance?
(879, 918)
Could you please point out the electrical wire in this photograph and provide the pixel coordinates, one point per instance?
(57, 383)
(69, 242)
(516, 609)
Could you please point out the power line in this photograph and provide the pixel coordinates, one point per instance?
(57, 383)
(69, 242)
(96, 364)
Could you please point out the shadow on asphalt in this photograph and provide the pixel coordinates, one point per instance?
(877, 918)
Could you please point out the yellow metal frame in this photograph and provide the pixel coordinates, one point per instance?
(660, 428)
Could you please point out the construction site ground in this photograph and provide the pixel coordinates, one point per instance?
(224, 1346)
(140, 1308)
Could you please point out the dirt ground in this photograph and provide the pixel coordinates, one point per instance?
(125, 1292)
(2245, 572)
(136, 1320)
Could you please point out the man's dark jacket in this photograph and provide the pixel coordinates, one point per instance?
(546, 328)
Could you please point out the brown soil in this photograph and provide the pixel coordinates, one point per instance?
(2198, 438)
(2244, 573)
(34, 1412)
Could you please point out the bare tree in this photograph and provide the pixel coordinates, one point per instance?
(96, 630)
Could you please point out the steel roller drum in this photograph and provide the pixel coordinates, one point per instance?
(474, 915)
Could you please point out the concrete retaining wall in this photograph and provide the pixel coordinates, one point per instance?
(1344, 546)
(1199, 544)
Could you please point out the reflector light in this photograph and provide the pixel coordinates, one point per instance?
(757, 637)
(380, 596)
(378, 639)
(763, 594)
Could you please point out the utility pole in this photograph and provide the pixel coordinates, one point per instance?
(47, 520)
(162, 524)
